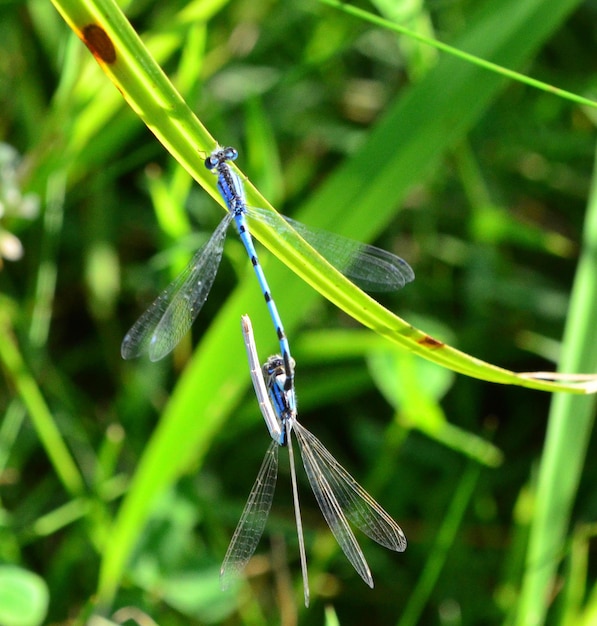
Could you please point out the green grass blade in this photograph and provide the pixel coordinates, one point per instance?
(41, 417)
(102, 26)
(571, 422)
(401, 150)
(445, 539)
(459, 53)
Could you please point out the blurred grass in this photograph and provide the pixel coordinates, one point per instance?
(569, 433)
(493, 180)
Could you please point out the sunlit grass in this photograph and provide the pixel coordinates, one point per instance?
(479, 182)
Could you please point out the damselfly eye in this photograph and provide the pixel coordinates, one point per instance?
(211, 162)
(230, 154)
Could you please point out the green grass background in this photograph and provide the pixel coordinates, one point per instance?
(121, 483)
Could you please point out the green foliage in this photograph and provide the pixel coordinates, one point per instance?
(122, 481)
(23, 597)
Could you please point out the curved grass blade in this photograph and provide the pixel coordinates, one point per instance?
(123, 57)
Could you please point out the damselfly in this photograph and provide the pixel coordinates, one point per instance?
(171, 315)
(338, 494)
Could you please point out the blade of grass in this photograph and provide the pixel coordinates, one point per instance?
(41, 417)
(577, 575)
(571, 421)
(458, 52)
(439, 552)
(102, 26)
(402, 149)
(45, 286)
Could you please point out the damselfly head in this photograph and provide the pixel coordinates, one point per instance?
(219, 156)
(275, 366)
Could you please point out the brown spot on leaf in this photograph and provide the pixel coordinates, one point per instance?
(430, 342)
(100, 45)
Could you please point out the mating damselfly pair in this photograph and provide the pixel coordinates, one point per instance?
(338, 494)
(173, 312)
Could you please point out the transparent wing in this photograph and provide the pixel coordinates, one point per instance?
(252, 521)
(330, 507)
(299, 522)
(272, 420)
(369, 267)
(172, 313)
(340, 496)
